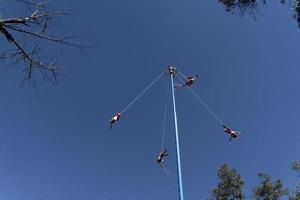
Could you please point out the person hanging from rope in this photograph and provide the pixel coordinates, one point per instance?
(233, 134)
(163, 153)
(115, 119)
(189, 81)
(160, 159)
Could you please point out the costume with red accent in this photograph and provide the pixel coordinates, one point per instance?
(231, 132)
(189, 81)
(115, 119)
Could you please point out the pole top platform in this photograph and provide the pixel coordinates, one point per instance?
(171, 69)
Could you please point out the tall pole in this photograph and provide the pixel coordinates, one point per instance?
(172, 71)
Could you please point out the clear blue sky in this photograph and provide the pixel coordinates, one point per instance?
(61, 147)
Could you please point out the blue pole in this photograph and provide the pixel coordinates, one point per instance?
(180, 186)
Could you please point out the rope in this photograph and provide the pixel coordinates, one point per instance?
(162, 147)
(164, 127)
(203, 103)
(165, 119)
(184, 76)
(143, 92)
(164, 169)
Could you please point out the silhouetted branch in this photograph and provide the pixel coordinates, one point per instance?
(252, 7)
(242, 6)
(33, 29)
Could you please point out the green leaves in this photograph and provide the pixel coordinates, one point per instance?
(295, 165)
(230, 185)
(268, 190)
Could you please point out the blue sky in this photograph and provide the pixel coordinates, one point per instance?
(60, 147)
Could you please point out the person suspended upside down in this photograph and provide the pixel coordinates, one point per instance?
(233, 134)
(160, 159)
(189, 81)
(115, 119)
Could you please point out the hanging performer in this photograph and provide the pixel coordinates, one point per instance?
(233, 134)
(115, 119)
(160, 159)
(189, 81)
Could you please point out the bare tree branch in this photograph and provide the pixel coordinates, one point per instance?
(33, 29)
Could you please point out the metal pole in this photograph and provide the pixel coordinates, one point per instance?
(172, 70)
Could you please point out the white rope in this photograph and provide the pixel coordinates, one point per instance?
(164, 127)
(164, 169)
(206, 106)
(184, 76)
(143, 92)
(203, 103)
(165, 118)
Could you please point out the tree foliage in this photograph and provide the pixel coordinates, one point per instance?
(229, 186)
(295, 165)
(242, 6)
(252, 7)
(268, 190)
